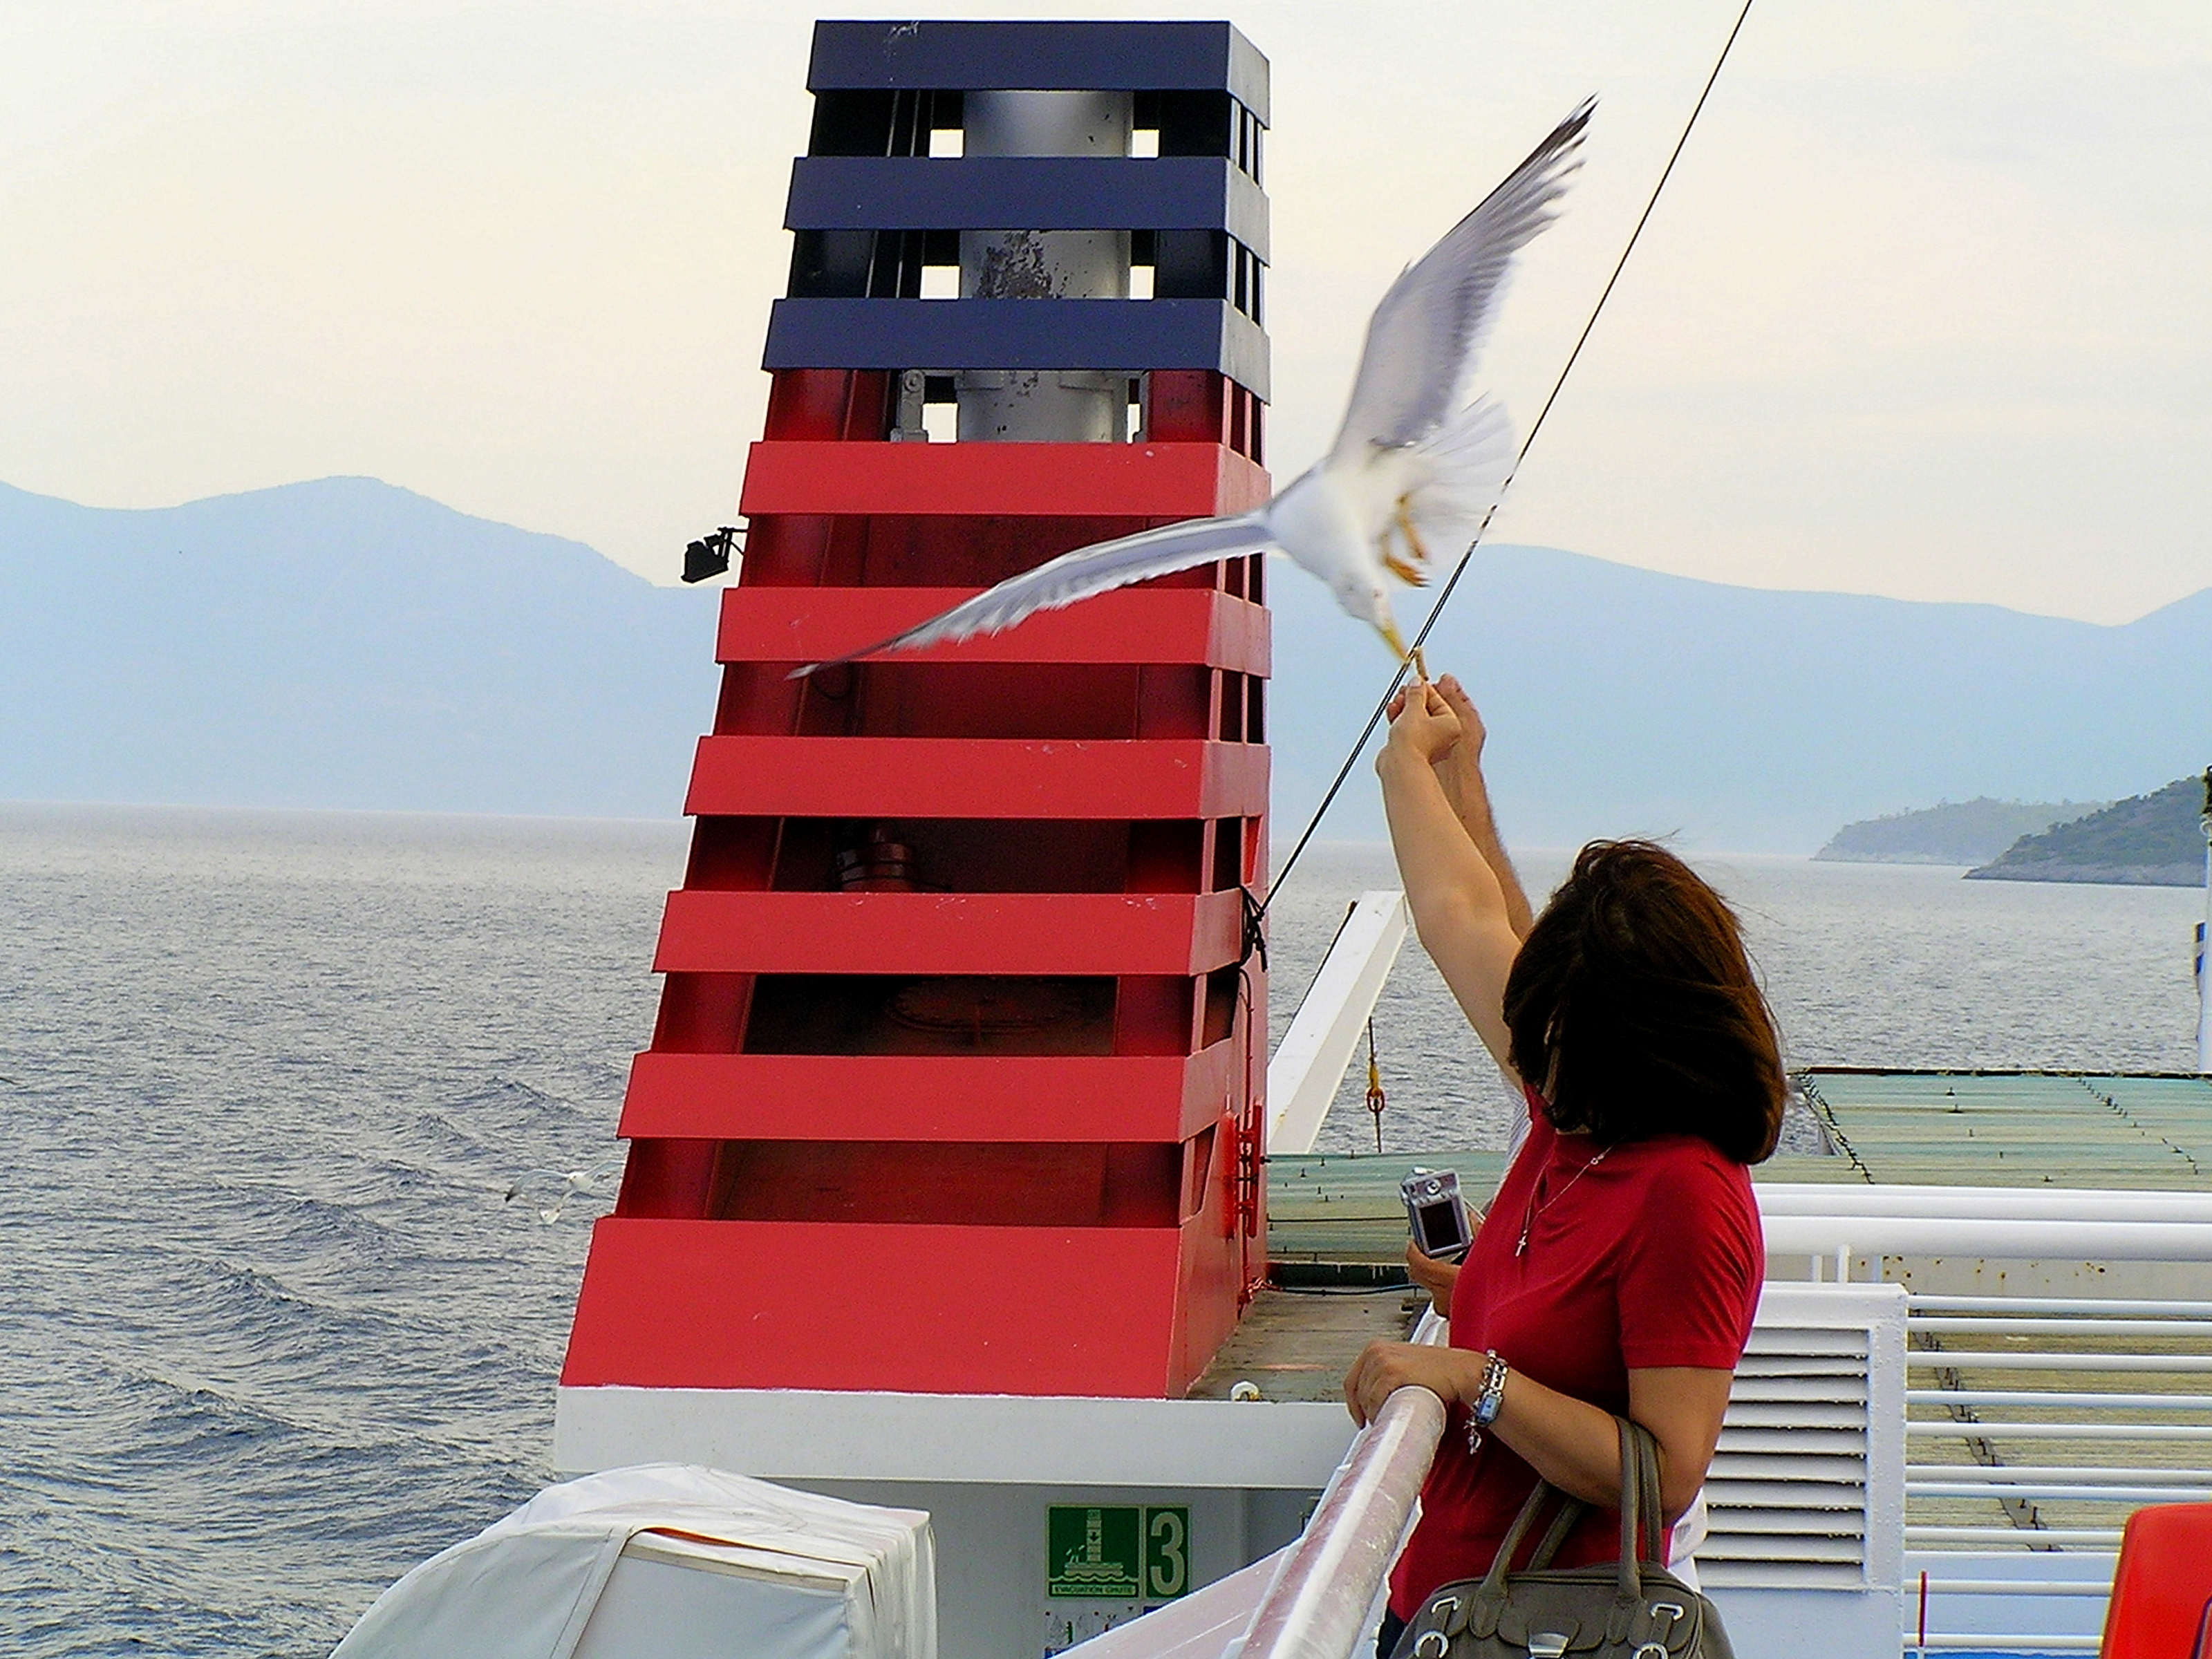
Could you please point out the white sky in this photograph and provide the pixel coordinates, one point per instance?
(1927, 311)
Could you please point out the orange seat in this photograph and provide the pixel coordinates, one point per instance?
(2162, 1588)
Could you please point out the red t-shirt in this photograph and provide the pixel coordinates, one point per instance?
(1652, 1257)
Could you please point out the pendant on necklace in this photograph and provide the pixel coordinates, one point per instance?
(1535, 1209)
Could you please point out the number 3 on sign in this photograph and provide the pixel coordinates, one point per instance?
(1167, 1552)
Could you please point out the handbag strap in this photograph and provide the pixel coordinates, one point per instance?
(1641, 1519)
(1562, 1523)
(1493, 1582)
(1656, 1530)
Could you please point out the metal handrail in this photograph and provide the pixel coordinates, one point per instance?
(2003, 1238)
(1316, 1604)
(2010, 1535)
(2085, 1591)
(1944, 1325)
(2126, 1402)
(1985, 1203)
(2058, 1473)
(2028, 1359)
(2087, 1491)
(2046, 1490)
(2098, 1306)
(1992, 1429)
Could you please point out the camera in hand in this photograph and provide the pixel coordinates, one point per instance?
(1437, 1214)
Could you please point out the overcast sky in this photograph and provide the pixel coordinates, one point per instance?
(1927, 311)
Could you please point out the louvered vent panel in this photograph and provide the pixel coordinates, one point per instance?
(1787, 1494)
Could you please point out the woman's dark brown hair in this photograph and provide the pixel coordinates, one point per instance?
(1634, 1011)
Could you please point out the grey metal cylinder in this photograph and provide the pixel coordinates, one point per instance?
(1044, 405)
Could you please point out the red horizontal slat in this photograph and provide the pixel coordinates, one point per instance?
(1055, 1098)
(925, 1310)
(770, 933)
(977, 778)
(1139, 481)
(1132, 625)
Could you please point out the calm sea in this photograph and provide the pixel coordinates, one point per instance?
(272, 1329)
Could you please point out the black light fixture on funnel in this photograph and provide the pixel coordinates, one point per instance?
(709, 556)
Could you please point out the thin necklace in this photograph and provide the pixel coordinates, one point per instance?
(1529, 1221)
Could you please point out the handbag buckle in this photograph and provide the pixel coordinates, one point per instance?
(1422, 1649)
(1656, 1647)
(1548, 1644)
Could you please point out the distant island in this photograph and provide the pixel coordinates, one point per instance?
(2146, 841)
(1967, 832)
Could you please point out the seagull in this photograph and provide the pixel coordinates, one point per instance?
(1415, 461)
(549, 1211)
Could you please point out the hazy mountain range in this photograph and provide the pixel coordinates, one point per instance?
(345, 643)
(339, 643)
(1623, 701)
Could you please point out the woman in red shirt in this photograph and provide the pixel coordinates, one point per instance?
(1621, 1264)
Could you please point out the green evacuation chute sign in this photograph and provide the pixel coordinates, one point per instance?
(1111, 1553)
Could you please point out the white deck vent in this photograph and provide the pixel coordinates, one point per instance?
(1806, 1490)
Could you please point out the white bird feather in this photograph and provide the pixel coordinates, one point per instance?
(1414, 460)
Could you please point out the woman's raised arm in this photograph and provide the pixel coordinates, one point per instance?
(1459, 907)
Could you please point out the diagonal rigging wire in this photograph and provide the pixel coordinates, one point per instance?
(1444, 593)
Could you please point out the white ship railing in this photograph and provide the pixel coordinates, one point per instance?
(1320, 1603)
(1975, 1596)
(1309, 1064)
(2036, 1583)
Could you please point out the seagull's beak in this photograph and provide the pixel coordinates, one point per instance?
(1408, 654)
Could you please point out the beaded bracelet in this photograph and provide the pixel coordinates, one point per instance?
(1489, 1399)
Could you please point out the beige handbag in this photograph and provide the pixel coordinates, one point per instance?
(1628, 1609)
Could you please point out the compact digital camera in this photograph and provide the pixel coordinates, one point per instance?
(1437, 1214)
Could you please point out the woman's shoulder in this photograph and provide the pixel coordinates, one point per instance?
(1690, 1171)
(1694, 1224)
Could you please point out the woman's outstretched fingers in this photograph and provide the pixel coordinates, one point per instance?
(1456, 698)
(1424, 723)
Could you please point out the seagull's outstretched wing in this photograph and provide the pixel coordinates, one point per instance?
(1422, 339)
(1078, 575)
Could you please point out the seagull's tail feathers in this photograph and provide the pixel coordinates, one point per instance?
(1467, 460)
(1098, 569)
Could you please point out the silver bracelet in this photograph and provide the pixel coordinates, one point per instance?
(1489, 1399)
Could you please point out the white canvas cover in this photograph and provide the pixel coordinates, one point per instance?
(668, 1561)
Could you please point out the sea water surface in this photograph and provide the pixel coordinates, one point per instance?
(272, 1329)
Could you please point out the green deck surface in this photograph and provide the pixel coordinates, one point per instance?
(2018, 1129)
(1917, 1128)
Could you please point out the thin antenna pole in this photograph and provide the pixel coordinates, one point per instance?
(2203, 939)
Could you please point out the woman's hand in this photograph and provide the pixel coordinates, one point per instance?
(1473, 733)
(1423, 723)
(1384, 1368)
(1435, 1277)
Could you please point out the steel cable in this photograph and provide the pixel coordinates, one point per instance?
(1444, 593)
